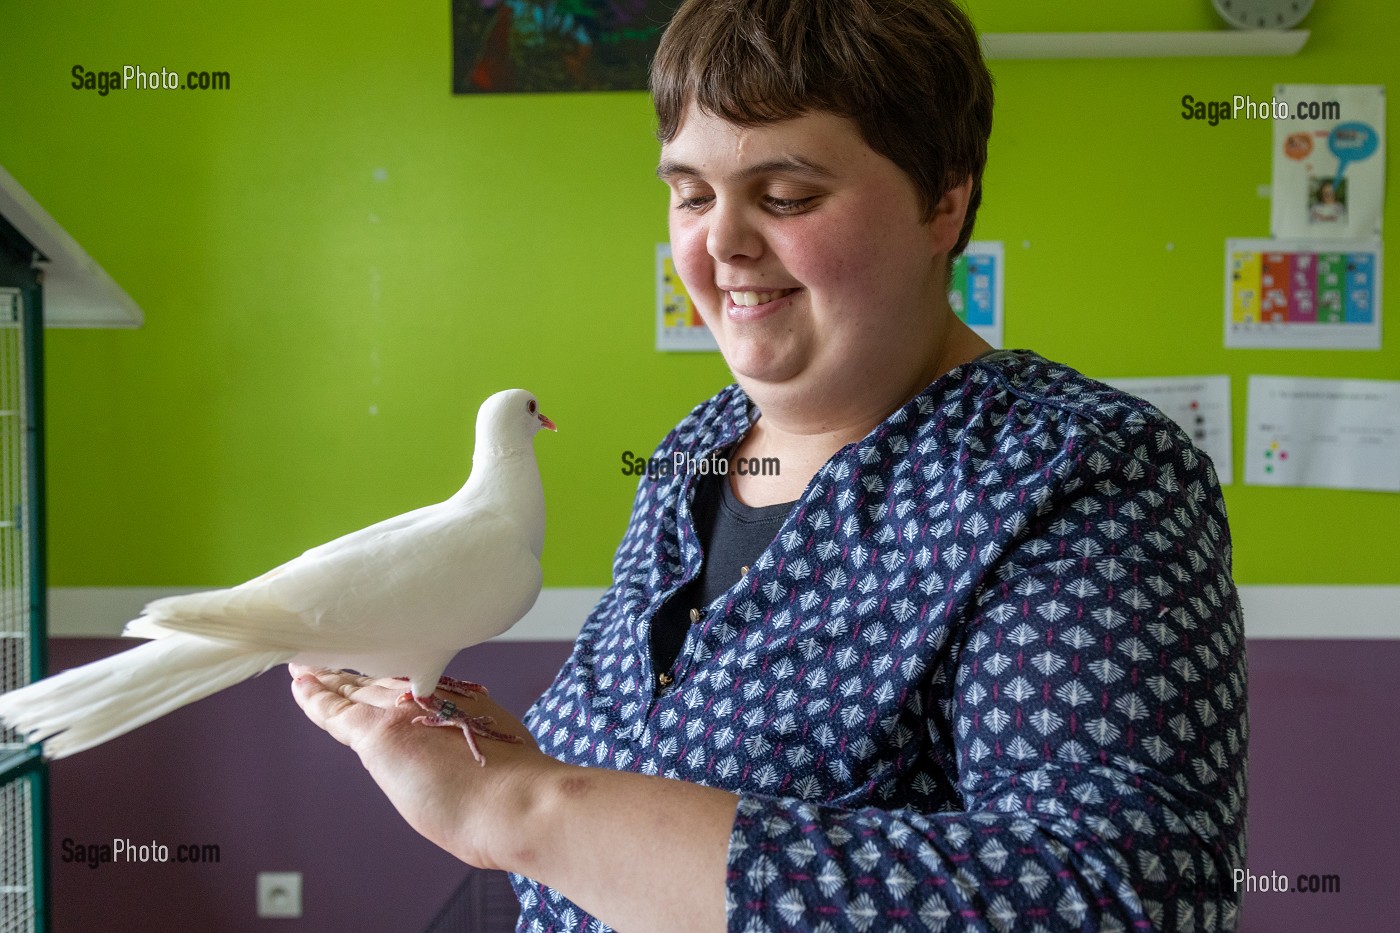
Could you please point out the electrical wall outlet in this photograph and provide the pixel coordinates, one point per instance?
(279, 894)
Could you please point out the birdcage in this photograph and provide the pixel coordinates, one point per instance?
(22, 634)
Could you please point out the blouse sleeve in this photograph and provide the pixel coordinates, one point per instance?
(1097, 696)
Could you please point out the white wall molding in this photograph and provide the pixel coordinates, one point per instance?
(1321, 611)
(1269, 611)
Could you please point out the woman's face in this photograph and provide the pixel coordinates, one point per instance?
(805, 252)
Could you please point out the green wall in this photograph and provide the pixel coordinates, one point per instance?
(338, 259)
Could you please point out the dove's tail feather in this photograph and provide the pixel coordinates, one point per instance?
(218, 605)
(83, 707)
(241, 612)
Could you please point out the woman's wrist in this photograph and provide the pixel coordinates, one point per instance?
(512, 829)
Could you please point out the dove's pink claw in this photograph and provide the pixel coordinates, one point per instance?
(446, 713)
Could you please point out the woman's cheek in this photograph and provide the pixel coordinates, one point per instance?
(692, 264)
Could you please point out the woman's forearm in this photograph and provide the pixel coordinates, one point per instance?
(638, 852)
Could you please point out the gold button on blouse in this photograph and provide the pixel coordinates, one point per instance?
(694, 616)
(664, 680)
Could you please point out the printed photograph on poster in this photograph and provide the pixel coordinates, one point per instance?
(1303, 294)
(1200, 405)
(1332, 433)
(975, 289)
(678, 323)
(1329, 161)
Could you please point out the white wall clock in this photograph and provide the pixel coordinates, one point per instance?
(1263, 14)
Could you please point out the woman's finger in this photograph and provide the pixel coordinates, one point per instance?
(338, 711)
(357, 687)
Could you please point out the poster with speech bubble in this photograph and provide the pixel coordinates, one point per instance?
(1329, 161)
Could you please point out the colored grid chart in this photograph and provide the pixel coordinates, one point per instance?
(975, 289)
(1302, 295)
(678, 323)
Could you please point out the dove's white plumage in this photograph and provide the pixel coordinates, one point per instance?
(398, 598)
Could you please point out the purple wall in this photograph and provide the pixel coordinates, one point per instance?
(1323, 757)
(246, 771)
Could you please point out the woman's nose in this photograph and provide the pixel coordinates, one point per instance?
(732, 234)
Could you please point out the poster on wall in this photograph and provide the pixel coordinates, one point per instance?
(974, 293)
(975, 289)
(1332, 433)
(1200, 405)
(1329, 161)
(678, 323)
(1303, 294)
(513, 46)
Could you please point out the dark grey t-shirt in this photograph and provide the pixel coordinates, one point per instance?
(732, 536)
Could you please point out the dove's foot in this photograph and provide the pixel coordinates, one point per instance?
(446, 713)
(463, 688)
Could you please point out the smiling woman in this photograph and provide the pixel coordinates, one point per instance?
(808, 257)
(972, 659)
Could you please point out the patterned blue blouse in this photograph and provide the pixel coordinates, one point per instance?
(990, 675)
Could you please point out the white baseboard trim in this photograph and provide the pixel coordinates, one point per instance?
(100, 611)
(1321, 611)
(1269, 611)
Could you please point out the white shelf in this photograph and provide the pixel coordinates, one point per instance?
(1217, 43)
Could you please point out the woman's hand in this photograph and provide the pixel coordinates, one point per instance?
(428, 773)
(612, 842)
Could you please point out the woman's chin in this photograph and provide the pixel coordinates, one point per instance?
(759, 365)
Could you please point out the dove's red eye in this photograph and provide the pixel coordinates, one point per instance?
(532, 406)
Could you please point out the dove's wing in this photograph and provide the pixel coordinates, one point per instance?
(446, 576)
(360, 538)
(149, 625)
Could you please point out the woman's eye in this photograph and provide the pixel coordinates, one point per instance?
(789, 205)
(770, 202)
(692, 204)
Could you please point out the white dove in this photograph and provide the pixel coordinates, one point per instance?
(400, 597)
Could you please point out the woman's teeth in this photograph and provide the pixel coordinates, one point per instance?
(750, 299)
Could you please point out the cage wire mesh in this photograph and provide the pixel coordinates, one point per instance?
(17, 889)
(17, 913)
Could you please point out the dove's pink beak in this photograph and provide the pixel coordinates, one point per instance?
(545, 422)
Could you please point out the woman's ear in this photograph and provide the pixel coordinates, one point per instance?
(945, 225)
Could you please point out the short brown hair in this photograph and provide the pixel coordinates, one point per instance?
(909, 73)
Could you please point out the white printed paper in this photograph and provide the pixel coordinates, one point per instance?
(1200, 404)
(1329, 167)
(1334, 433)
